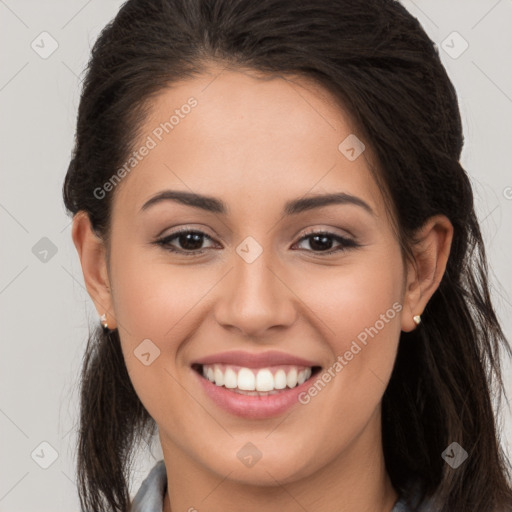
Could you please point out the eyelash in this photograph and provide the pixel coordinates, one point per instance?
(347, 243)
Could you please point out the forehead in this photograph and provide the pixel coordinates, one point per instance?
(239, 134)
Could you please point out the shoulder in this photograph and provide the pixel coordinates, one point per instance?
(149, 497)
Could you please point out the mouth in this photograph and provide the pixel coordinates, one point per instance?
(256, 382)
(254, 385)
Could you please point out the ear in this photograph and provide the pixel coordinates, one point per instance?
(92, 253)
(425, 273)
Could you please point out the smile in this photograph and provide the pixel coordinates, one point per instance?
(254, 381)
(254, 385)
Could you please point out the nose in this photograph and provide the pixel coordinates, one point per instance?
(254, 298)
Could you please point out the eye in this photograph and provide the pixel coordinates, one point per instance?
(322, 241)
(189, 240)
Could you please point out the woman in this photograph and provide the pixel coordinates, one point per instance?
(281, 244)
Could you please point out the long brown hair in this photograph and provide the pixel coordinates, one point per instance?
(376, 58)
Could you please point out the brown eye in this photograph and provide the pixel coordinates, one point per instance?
(322, 242)
(189, 241)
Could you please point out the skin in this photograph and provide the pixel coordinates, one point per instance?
(256, 142)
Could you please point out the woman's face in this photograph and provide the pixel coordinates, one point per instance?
(254, 298)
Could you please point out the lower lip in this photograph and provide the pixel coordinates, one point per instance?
(253, 407)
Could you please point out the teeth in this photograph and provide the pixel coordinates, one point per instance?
(264, 380)
(230, 378)
(255, 381)
(246, 380)
(291, 378)
(219, 376)
(280, 379)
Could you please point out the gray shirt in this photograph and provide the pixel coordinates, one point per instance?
(150, 496)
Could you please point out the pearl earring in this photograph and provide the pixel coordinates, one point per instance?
(103, 320)
(417, 319)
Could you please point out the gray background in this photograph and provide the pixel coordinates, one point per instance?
(44, 307)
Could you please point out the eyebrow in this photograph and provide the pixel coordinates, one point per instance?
(293, 207)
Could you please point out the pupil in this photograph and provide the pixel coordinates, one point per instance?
(189, 240)
(320, 241)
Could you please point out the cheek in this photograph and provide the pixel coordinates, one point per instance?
(158, 306)
(147, 304)
(358, 300)
(152, 296)
(359, 310)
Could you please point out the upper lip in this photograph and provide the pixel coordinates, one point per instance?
(255, 360)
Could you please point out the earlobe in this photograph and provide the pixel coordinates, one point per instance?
(92, 253)
(431, 254)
